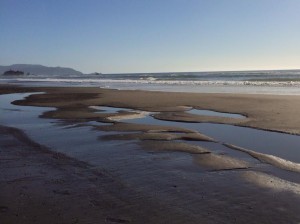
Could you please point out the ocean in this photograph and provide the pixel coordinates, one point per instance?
(281, 82)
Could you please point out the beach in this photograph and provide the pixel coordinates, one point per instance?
(93, 155)
(142, 112)
(269, 112)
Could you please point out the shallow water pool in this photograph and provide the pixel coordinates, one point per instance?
(274, 143)
(214, 113)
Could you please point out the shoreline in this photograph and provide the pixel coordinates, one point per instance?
(202, 89)
(277, 113)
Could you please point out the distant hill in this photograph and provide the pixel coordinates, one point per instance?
(39, 70)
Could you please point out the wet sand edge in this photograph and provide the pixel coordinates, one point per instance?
(267, 112)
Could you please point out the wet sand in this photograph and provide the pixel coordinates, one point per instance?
(269, 112)
(229, 189)
(41, 186)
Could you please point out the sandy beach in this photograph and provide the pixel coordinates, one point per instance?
(176, 175)
(150, 112)
(269, 112)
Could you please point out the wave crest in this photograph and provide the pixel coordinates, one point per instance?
(151, 80)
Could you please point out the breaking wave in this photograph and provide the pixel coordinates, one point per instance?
(151, 80)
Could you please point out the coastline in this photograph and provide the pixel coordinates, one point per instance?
(267, 112)
(213, 188)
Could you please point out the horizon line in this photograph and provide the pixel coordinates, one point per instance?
(209, 71)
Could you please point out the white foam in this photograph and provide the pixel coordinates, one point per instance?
(152, 80)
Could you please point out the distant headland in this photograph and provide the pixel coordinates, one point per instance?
(29, 69)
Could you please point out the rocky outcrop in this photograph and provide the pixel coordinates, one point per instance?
(13, 72)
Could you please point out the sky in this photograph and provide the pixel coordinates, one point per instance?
(123, 36)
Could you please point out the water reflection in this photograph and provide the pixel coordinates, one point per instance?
(215, 113)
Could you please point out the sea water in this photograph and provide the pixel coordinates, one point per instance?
(285, 82)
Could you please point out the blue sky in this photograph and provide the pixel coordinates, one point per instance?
(112, 36)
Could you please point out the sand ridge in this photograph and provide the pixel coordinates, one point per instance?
(273, 160)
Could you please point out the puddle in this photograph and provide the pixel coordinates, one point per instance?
(215, 113)
(278, 144)
(43, 130)
(21, 116)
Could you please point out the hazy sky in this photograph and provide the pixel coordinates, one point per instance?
(151, 36)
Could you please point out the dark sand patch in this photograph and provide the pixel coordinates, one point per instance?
(7, 89)
(195, 137)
